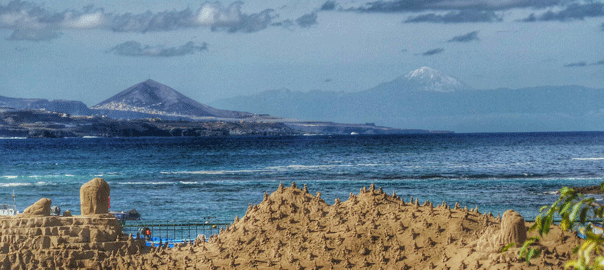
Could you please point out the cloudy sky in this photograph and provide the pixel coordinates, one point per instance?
(89, 50)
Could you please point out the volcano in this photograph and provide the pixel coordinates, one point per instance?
(151, 97)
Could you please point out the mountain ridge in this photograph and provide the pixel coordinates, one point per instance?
(72, 107)
(398, 103)
(150, 108)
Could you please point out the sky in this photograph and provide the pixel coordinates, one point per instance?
(89, 50)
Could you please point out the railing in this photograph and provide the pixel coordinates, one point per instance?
(162, 233)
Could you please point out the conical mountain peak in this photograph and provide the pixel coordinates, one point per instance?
(429, 79)
(152, 97)
(424, 72)
(149, 94)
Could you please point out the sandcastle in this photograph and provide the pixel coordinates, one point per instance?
(36, 240)
(294, 229)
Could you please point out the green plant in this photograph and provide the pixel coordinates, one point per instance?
(529, 253)
(574, 210)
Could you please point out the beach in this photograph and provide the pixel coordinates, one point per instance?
(291, 228)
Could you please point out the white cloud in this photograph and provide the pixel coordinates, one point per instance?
(207, 14)
(215, 15)
(83, 21)
(19, 15)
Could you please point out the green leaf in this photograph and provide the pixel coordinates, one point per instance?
(523, 249)
(526, 244)
(575, 211)
(529, 255)
(543, 208)
(565, 208)
(565, 191)
(546, 225)
(600, 211)
(537, 224)
(565, 224)
(507, 247)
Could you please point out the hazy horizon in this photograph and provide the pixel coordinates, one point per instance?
(90, 50)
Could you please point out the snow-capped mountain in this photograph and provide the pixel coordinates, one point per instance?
(429, 99)
(433, 80)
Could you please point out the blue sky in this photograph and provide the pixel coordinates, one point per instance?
(89, 50)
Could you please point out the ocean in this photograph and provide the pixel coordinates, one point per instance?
(196, 179)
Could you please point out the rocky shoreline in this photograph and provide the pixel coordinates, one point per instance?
(290, 229)
(589, 190)
(45, 124)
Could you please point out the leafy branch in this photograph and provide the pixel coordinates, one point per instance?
(575, 210)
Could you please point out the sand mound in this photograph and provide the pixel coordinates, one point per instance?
(293, 229)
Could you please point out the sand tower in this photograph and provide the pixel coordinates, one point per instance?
(94, 197)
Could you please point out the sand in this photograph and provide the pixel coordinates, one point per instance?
(294, 229)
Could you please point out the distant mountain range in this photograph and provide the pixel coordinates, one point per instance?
(422, 100)
(150, 101)
(428, 99)
(147, 99)
(64, 106)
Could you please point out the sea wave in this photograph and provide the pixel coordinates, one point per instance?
(15, 184)
(214, 172)
(272, 169)
(42, 183)
(145, 183)
(455, 176)
(10, 176)
(306, 167)
(188, 183)
(592, 158)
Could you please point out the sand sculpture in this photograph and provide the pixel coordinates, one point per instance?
(94, 197)
(36, 240)
(39, 208)
(513, 229)
(293, 229)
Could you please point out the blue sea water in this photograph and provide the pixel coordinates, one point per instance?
(188, 179)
